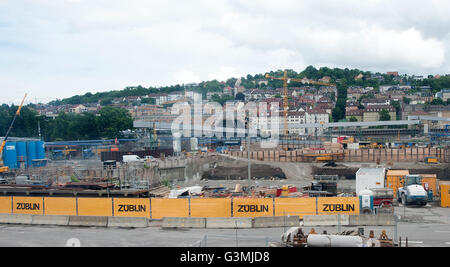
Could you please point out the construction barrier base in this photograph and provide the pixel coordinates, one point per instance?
(182, 222)
(325, 220)
(16, 218)
(128, 222)
(98, 221)
(50, 220)
(229, 223)
(277, 221)
(372, 219)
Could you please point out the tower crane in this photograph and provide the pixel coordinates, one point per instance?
(4, 169)
(286, 80)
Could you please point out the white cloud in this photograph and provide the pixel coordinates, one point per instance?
(55, 49)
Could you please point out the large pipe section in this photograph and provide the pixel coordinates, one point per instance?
(319, 240)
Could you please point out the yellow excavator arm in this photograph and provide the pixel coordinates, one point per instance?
(4, 168)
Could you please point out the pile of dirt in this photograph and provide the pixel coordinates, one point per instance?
(258, 171)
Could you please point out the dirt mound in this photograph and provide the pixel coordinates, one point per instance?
(258, 171)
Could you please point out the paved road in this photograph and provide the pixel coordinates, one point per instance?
(428, 227)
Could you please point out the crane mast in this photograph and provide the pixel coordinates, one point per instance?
(286, 80)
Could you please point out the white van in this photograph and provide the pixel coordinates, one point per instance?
(131, 158)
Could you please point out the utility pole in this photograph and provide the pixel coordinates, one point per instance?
(248, 147)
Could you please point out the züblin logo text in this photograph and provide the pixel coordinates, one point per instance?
(27, 206)
(132, 208)
(338, 207)
(253, 208)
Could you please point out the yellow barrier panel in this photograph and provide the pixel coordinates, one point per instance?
(445, 195)
(210, 207)
(295, 206)
(132, 207)
(5, 205)
(28, 205)
(169, 207)
(60, 206)
(252, 207)
(338, 205)
(94, 206)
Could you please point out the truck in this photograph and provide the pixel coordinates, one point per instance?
(382, 197)
(132, 158)
(412, 191)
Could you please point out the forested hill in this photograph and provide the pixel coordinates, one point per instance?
(337, 75)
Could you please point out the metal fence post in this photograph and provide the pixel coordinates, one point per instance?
(339, 222)
(395, 229)
(235, 222)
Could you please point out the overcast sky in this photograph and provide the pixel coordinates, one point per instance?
(59, 48)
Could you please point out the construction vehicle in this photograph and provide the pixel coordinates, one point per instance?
(325, 157)
(431, 160)
(322, 186)
(382, 197)
(412, 191)
(344, 139)
(5, 169)
(286, 80)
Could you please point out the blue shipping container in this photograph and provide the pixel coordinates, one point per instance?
(21, 149)
(40, 150)
(10, 155)
(31, 152)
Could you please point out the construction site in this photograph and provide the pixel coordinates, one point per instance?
(310, 191)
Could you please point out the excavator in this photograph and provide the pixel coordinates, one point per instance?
(5, 169)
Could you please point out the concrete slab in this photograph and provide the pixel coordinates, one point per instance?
(16, 218)
(276, 221)
(183, 222)
(229, 223)
(372, 219)
(325, 220)
(50, 220)
(128, 222)
(101, 221)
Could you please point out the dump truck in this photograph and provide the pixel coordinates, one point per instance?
(412, 191)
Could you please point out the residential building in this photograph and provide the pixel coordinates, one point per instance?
(444, 94)
(356, 113)
(372, 113)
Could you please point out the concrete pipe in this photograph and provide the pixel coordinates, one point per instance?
(318, 240)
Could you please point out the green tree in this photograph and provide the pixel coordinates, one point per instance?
(353, 119)
(406, 100)
(437, 101)
(240, 97)
(148, 100)
(384, 115)
(112, 120)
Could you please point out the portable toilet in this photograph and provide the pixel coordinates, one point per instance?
(31, 153)
(366, 201)
(21, 149)
(10, 155)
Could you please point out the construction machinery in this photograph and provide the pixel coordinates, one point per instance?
(322, 186)
(325, 157)
(431, 160)
(286, 80)
(5, 169)
(412, 191)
